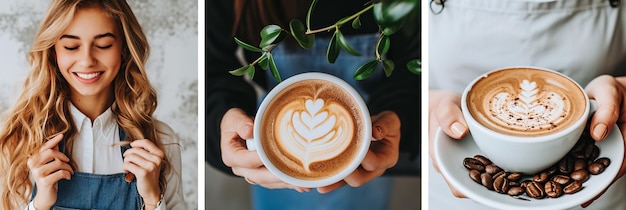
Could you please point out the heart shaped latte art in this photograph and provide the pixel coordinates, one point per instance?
(313, 130)
(528, 109)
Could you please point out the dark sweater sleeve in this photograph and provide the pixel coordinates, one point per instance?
(223, 91)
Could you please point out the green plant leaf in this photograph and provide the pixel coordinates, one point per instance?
(299, 33)
(383, 44)
(414, 66)
(271, 34)
(356, 23)
(343, 43)
(392, 12)
(273, 68)
(247, 46)
(263, 63)
(391, 29)
(241, 70)
(308, 14)
(388, 67)
(366, 70)
(251, 71)
(333, 50)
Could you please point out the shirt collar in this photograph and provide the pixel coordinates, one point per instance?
(106, 119)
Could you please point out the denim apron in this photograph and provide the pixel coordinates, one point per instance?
(95, 191)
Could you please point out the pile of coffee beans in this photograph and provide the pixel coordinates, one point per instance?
(565, 177)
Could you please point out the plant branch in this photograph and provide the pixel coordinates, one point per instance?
(344, 21)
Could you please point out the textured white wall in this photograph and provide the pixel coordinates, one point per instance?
(171, 27)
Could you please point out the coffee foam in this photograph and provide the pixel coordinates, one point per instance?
(314, 129)
(525, 102)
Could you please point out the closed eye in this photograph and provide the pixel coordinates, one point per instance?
(104, 47)
(70, 48)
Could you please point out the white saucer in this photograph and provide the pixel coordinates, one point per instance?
(449, 154)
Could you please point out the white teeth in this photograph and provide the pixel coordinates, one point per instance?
(87, 76)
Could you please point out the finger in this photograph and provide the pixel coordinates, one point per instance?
(46, 157)
(384, 158)
(53, 178)
(134, 168)
(360, 177)
(261, 176)
(454, 191)
(383, 153)
(235, 127)
(386, 125)
(605, 91)
(332, 187)
(144, 154)
(52, 167)
(141, 162)
(448, 114)
(148, 146)
(52, 142)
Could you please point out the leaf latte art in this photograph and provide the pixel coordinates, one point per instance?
(313, 130)
(530, 109)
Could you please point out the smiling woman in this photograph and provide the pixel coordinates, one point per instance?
(86, 90)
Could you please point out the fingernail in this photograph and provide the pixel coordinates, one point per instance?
(380, 131)
(600, 130)
(458, 129)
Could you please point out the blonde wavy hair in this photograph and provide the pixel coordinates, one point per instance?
(42, 108)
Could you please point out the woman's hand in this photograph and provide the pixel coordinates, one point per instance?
(445, 112)
(144, 160)
(47, 168)
(610, 96)
(383, 153)
(235, 128)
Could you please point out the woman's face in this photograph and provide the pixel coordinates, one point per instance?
(89, 53)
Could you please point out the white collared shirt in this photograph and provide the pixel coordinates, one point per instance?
(93, 153)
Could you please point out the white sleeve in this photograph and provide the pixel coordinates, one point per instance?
(31, 206)
(173, 197)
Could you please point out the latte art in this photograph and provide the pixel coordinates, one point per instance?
(530, 109)
(312, 129)
(525, 102)
(315, 131)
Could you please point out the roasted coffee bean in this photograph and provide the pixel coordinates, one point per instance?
(580, 175)
(514, 184)
(580, 164)
(471, 163)
(566, 165)
(573, 187)
(513, 191)
(604, 160)
(475, 175)
(541, 177)
(501, 185)
(484, 160)
(596, 168)
(499, 174)
(525, 183)
(579, 147)
(486, 180)
(515, 177)
(535, 190)
(492, 169)
(553, 189)
(561, 179)
(552, 170)
(591, 152)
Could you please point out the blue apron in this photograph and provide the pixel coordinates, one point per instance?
(95, 191)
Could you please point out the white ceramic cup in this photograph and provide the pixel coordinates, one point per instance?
(256, 142)
(525, 154)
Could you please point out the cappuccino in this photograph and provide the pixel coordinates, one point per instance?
(526, 102)
(312, 129)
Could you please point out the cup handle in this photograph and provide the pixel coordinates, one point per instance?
(250, 144)
(593, 107)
